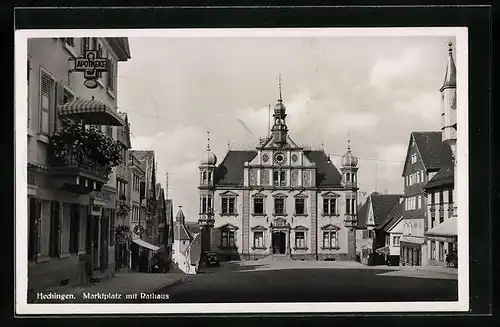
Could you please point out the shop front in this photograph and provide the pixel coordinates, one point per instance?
(411, 252)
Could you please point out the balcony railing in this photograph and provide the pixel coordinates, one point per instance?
(81, 161)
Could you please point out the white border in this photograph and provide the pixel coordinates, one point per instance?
(21, 53)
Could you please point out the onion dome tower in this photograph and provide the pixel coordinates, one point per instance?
(206, 190)
(279, 129)
(349, 171)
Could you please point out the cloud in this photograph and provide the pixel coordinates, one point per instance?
(310, 115)
(404, 74)
(376, 90)
(425, 105)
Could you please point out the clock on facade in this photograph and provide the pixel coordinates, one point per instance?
(280, 158)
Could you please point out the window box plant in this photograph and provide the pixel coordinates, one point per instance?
(77, 145)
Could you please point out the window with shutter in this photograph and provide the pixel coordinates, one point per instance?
(46, 92)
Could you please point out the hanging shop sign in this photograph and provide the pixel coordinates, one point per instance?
(92, 66)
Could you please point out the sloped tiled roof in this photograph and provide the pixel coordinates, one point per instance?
(435, 153)
(444, 177)
(143, 154)
(193, 227)
(382, 205)
(326, 172)
(230, 171)
(181, 233)
(394, 216)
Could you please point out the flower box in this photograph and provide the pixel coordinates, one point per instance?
(89, 148)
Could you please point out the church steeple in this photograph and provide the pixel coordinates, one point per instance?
(280, 129)
(450, 78)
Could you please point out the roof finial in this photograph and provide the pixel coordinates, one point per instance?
(208, 138)
(450, 47)
(279, 85)
(348, 144)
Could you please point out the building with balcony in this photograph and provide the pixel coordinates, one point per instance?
(72, 158)
(147, 243)
(278, 199)
(137, 213)
(441, 236)
(373, 216)
(425, 157)
(122, 229)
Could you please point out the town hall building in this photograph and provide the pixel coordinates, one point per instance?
(278, 199)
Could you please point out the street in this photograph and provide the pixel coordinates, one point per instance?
(234, 282)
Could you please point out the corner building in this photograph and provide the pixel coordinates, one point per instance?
(278, 199)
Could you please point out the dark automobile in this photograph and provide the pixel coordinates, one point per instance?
(212, 259)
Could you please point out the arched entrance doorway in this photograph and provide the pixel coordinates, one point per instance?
(279, 242)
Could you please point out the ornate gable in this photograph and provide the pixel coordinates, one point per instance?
(280, 195)
(330, 195)
(330, 227)
(229, 193)
(258, 228)
(229, 226)
(301, 194)
(301, 228)
(259, 194)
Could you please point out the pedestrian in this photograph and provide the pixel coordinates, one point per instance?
(447, 260)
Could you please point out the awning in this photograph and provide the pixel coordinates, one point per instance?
(384, 250)
(447, 228)
(91, 112)
(145, 244)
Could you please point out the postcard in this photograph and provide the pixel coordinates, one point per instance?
(241, 170)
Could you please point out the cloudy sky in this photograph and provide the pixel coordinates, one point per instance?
(374, 91)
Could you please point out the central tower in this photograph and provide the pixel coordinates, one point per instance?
(279, 129)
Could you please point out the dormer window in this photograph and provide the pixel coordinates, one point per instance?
(413, 158)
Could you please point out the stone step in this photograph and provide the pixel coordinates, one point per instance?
(280, 257)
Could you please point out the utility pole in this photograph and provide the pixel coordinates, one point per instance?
(166, 186)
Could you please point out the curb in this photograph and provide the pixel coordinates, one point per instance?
(169, 285)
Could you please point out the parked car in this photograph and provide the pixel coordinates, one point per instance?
(212, 259)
